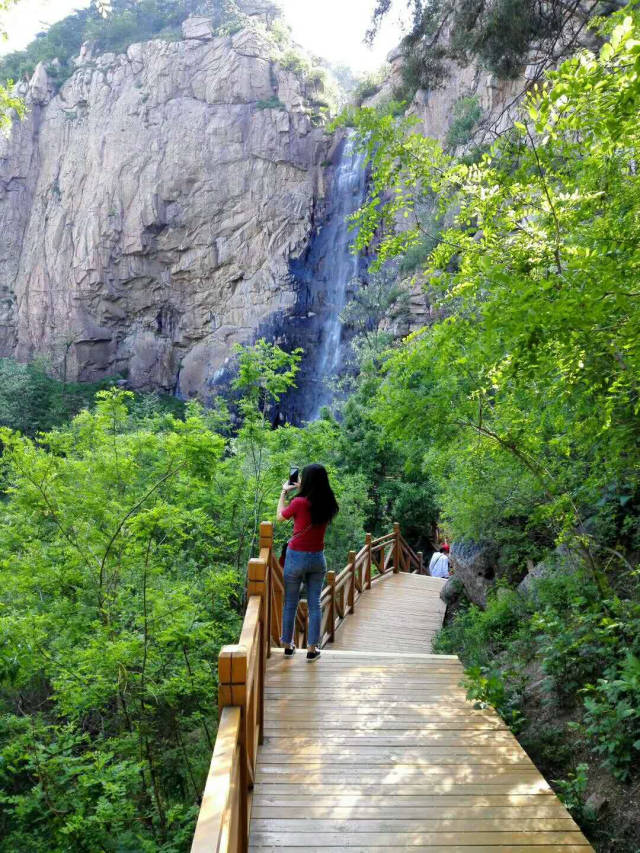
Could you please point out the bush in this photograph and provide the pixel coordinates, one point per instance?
(612, 716)
(572, 790)
(588, 647)
(125, 24)
(466, 113)
(416, 255)
(478, 636)
(369, 85)
(294, 62)
(491, 687)
(580, 641)
(33, 401)
(273, 103)
(423, 68)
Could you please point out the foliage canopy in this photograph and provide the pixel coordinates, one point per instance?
(529, 385)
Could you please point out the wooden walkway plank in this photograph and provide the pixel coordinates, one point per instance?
(375, 747)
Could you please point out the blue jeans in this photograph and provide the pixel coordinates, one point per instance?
(299, 566)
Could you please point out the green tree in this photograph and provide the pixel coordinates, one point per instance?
(8, 102)
(114, 605)
(538, 274)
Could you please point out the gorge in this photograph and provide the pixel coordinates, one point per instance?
(176, 190)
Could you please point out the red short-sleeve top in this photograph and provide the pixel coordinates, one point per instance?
(306, 536)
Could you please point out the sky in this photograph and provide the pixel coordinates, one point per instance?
(333, 29)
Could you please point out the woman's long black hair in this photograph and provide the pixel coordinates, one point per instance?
(314, 486)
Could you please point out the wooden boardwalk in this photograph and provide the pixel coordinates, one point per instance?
(401, 613)
(375, 747)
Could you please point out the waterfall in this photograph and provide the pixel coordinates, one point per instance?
(347, 195)
(323, 276)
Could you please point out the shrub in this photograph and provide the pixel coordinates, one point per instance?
(490, 686)
(578, 641)
(572, 790)
(417, 254)
(479, 635)
(273, 103)
(369, 86)
(423, 68)
(612, 716)
(33, 401)
(292, 61)
(466, 113)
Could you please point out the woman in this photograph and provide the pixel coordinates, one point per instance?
(312, 510)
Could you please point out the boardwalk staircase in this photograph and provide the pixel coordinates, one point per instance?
(373, 747)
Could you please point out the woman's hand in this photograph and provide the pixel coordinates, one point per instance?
(286, 488)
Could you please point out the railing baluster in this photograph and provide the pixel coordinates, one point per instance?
(396, 547)
(331, 582)
(266, 541)
(352, 580)
(367, 571)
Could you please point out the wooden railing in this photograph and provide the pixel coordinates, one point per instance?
(223, 822)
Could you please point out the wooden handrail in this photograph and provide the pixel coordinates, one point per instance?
(223, 822)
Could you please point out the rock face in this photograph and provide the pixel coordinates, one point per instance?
(474, 566)
(498, 98)
(561, 561)
(148, 211)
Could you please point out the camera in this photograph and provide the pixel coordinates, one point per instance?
(293, 475)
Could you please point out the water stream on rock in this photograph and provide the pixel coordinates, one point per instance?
(324, 274)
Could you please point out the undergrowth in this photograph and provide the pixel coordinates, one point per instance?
(588, 651)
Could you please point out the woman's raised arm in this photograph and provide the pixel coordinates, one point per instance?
(286, 488)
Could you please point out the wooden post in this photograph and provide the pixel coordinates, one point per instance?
(420, 563)
(266, 541)
(351, 559)
(396, 548)
(331, 583)
(266, 534)
(367, 565)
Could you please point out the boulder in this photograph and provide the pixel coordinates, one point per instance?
(596, 804)
(197, 27)
(561, 560)
(474, 565)
(87, 54)
(452, 590)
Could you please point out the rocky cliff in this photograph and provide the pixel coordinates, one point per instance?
(469, 106)
(498, 96)
(149, 209)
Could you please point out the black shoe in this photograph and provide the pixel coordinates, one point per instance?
(289, 651)
(313, 655)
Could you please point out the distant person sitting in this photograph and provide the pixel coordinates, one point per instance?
(439, 564)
